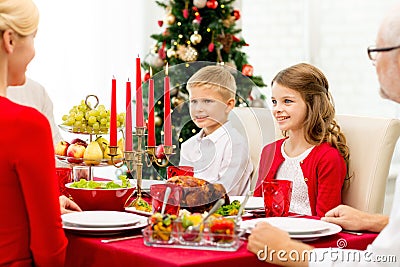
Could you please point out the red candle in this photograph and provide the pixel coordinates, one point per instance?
(128, 118)
(139, 95)
(167, 111)
(113, 116)
(151, 137)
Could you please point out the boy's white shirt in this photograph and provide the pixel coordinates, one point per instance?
(34, 95)
(221, 157)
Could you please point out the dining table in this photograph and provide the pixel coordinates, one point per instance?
(86, 251)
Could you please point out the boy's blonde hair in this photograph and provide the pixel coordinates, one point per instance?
(22, 16)
(217, 78)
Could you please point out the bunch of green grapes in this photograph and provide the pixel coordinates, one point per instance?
(84, 119)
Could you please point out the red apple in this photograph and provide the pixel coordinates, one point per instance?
(75, 153)
(61, 148)
(79, 141)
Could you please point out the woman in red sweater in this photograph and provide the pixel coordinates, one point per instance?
(31, 233)
(313, 154)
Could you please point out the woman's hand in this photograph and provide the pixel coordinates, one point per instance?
(67, 205)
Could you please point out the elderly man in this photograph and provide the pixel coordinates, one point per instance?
(386, 58)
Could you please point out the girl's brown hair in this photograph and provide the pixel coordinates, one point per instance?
(320, 124)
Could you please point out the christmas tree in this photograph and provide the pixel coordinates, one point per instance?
(196, 33)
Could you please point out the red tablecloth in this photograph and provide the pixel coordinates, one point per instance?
(89, 251)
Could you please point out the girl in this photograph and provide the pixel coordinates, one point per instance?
(313, 153)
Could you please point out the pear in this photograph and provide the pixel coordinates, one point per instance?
(102, 142)
(117, 158)
(121, 144)
(93, 154)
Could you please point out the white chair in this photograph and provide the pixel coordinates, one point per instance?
(371, 142)
(258, 128)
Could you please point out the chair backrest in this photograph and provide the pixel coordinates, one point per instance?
(257, 126)
(371, 142)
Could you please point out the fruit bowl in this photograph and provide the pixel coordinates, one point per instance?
(100, 199)
(82, 161)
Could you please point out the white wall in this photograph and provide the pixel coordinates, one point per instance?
(333, 35)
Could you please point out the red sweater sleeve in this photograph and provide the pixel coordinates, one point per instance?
(35, 167)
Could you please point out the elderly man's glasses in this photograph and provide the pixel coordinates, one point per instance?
(373, 51)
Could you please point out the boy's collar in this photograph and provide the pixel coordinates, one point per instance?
(214, 136)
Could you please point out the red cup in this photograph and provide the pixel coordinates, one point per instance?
(179, 171)
(277, 195)
(157, 192)
(64, 176)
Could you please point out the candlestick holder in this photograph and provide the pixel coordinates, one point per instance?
(152, 158)
(134, 160)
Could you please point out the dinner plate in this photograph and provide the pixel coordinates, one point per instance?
(141, 212)
(100, 219)
(297, 227)
(252, 203)
(141, 223)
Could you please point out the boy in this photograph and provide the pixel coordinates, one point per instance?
(218, 152)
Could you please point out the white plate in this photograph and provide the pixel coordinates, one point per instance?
(141, 212)
(245, 215)
(297, 227)
(99, 218)
(252, 203)
(142, 222)
(146, 183)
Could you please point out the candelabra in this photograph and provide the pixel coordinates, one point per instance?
(134, 160)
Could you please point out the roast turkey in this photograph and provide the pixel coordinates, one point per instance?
(198, 195)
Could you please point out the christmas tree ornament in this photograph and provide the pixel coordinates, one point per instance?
(195, 38)
(170, 19)
(226, 41)
(229, 21)
(157, 121)
(185, 12)
(187, 53)
(160, 23)
(236, 14)
(235, 39)
(171, 52)
(212, 4)
(199, 3)
(247, 70)
(211, 47)
(154, 60)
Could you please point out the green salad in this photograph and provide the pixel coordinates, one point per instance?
(82, 183)
(229, 210)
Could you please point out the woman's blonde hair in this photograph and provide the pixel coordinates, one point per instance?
(214, 77)
(320, 125)
(22, 16)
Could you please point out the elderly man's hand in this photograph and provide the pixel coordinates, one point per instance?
(352, 219)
